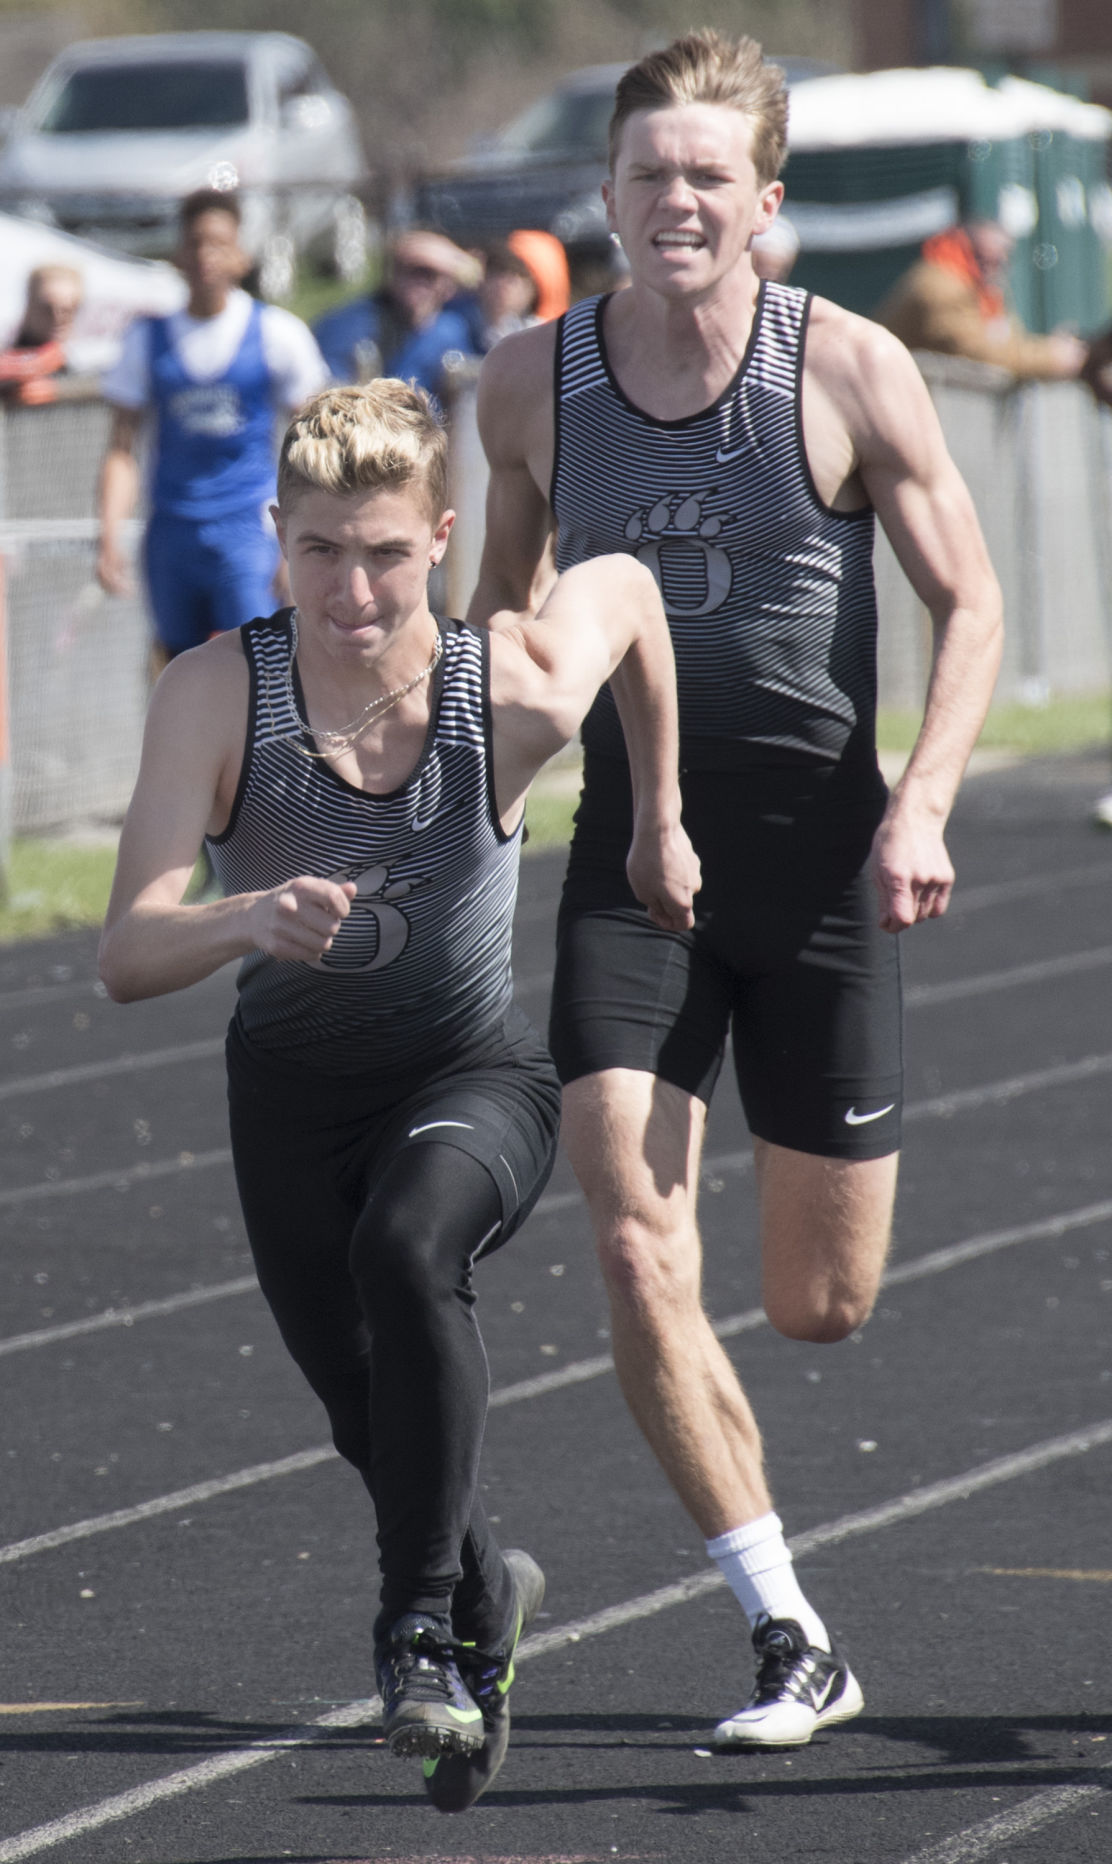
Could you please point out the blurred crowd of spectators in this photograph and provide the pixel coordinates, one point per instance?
(439, 305)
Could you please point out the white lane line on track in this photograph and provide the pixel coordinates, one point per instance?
(121, 1180)
(917, 996)
(1071, 964)
(166, 1504)
(577, 1372)
(1026, 886)
(901, 1508)
(119, 1064)
(127, 1316)
(906, 1507)
(964, 1099)
(188, 1780)
(940, 1106)
(980, 1841)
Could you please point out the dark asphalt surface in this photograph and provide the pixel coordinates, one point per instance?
(165, 1671)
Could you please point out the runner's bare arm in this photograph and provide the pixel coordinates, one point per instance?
(117, 493)
(515, 416)
(192, 748)
(603, 620)
(928, 515)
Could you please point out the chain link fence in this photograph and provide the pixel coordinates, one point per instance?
(77, 679)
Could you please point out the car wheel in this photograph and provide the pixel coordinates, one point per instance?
(348, 251)
(277, 266)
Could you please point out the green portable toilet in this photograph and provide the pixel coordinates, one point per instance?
(880, 161)
(1069, 253)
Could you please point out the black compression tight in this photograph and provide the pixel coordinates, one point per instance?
(373, 1298)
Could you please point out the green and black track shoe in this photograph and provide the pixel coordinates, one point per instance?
(454, 1781)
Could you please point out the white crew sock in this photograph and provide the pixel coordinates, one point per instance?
(755, 1563)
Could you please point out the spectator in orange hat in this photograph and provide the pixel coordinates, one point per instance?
(548, 262)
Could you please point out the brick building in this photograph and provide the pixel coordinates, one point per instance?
(1068, 42)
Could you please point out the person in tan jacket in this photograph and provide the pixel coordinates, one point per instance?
(952, 300)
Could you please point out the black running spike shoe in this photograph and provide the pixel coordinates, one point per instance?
(800, 1688)
(454, 1781)
(427, 1708)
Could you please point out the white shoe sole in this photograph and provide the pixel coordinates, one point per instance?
(786, 1724)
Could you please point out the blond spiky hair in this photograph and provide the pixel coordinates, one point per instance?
(381, 437)
(706, 68)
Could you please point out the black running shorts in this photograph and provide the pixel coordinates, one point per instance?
(786, 955)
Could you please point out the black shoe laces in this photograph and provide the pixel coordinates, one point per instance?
(420, 1669)
(778, 1660)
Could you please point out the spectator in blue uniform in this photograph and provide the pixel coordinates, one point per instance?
(217, 377)
(410, 327)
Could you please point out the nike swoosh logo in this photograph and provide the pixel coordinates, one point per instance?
(465, 1124)
(725, 454)
(421, 823)
(821, 1698)
(853, 1118)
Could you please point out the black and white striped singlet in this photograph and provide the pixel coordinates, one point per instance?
(769, 593)
(418, 977)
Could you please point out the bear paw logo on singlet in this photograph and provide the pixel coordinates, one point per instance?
(376, 931)
(673, 540)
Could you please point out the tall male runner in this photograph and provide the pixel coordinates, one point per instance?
(357, 770)
(218, 377)
(739, 438)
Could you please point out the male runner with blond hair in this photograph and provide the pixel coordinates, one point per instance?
(357, 769)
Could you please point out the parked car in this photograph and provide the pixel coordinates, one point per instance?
(544, 168)
(118, 131)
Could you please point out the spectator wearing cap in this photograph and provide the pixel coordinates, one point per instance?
(548, 263)
(37, 356)
(953, 301)
(525, 281)
(410, 327)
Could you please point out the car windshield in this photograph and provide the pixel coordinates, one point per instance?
(176, 95)
(570, 120)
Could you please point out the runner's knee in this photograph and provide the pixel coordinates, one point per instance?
(651, 1271)
(819, 1316)
(412, 1248)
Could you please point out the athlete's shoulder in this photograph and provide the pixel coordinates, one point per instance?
(848, 351)
(293, 355)
(276, 320)
(522, 362)
(202, 695)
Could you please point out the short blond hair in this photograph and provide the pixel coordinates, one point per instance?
(706, 68)
(382, 437)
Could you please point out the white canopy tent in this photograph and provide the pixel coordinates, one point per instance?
(116, 289)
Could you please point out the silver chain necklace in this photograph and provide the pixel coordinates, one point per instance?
(334, 743)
